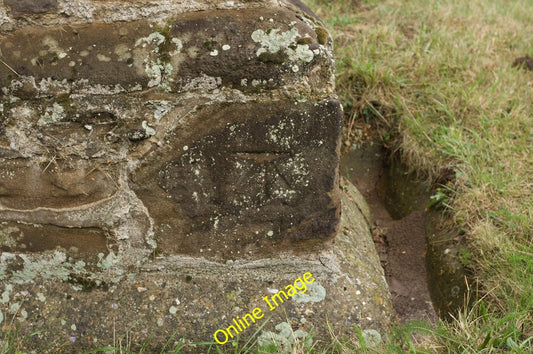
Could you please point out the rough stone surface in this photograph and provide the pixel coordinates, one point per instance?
(85, 305)
(19, 7)
(211, 133)
(167, 164)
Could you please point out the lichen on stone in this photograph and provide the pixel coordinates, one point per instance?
(371, 337)
(154, 37)
(204, 83)
(148, 131)
(8, 236)
(159, 70)
(161, 108)
(47, 266)
(52, 114)
(276, 45)
(285, 339)
(315, 293)
(5, 295)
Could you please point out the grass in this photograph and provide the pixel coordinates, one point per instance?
(436, 77)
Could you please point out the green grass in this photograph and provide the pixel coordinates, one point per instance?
(436, 76)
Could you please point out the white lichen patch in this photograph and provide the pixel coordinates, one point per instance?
(76, 8)
(46, 267)
(52, 44)
(5, 295)
(148, 130)
(276, 41)
(106, 262)
(286, 339)
(277, 135)
(179, 46)
(153, 38)
(315, 293)
(10, 236)
(122, 51)
(4, 18)
(102, 57)
(203, 82)
(300, 169)
(53, 47)
(372, 338)
(52, 114)
(158, 71)
(161, 108)
(283, 193)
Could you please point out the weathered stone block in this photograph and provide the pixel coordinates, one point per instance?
(19, 7)
(211, 133)
(260, 173)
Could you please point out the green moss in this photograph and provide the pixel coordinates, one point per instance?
(321, 35)
(166, 47)
(278, 57)
(210, 45)
(66, 102)
(304, 40)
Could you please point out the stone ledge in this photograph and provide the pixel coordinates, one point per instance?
(192, 298)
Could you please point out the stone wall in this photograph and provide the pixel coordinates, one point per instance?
(199, 127)
(165, 166)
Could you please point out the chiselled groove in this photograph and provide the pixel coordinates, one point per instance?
(260, 156)
(284, 179)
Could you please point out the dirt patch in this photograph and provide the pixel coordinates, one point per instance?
(524, 62)
(397, 203)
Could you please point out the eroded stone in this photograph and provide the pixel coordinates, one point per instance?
(259, 173)
(80, 243)
(20, 7)
(195, 51)
(213, 133)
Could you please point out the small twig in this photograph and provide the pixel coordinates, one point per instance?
(9, 67)
(350, 125)
(49, 163)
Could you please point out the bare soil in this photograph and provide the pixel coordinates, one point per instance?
(397, 203)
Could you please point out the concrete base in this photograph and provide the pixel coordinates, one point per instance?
(77, 306)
